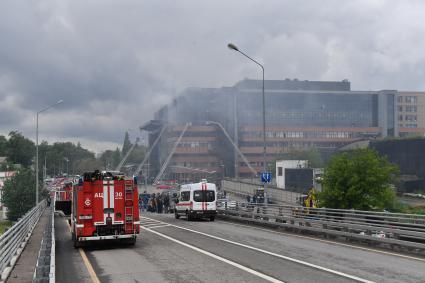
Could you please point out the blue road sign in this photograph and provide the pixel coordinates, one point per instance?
(266, 177)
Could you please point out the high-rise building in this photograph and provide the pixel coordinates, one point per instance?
(411, 113)
(299, 115)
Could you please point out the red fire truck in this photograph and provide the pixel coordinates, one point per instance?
(105, 207)
(63, 198)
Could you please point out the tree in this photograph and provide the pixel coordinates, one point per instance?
(127, 144)
(3, 145)
(359, 179)
(19, 193)
(20, 150)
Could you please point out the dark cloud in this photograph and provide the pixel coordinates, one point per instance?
(116, 62)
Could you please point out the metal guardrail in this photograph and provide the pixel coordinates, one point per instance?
(45, 267)
(14, 240)
(403, 230)
(244, 189)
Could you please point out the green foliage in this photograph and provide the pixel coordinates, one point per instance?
(359, 179)
(58, 154)
(3, 145)
(136, 155)
(127, 143)
(19, 150)
(88, 164)
(19, 193)
(4, 225)
(110, 159)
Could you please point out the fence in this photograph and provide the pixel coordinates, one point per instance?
(45, 267)
(13, 241)
(395, 229)
(244, 189)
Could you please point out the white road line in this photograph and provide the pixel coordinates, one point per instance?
(158, 226)
(242, 267)
(278, 255)
(325, 241)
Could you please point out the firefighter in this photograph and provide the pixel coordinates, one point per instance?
(166, 203)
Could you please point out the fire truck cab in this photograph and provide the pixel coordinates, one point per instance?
(105, 207)
(198, 200)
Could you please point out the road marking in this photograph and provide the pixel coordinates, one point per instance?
(242, 267)
(326, 241)
(89, 267)
(278, 255)
(86, 261)
(158, 226)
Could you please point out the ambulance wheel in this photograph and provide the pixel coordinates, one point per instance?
(212, 218)
(176, 215)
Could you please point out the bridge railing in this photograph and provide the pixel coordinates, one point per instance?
(13, 241)
(244, 188)
(393, 228)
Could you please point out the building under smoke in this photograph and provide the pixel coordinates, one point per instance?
(299, 115)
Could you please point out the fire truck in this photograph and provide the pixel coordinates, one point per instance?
(105, 207)
(63, 198)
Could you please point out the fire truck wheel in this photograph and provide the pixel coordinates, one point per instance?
(77, 244)
(176, 215)
(212, 218)
(130, 242)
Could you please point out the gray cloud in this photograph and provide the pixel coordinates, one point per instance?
(116, 62)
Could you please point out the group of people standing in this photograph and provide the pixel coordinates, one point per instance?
(158, 203)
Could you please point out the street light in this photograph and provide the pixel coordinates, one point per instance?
(36, 148)
(235, 48)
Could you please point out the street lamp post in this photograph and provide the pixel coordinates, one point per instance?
(36, 149)
(235, 48)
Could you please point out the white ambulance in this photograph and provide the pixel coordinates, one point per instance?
(197, 200)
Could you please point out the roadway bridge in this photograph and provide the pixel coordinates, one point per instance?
(171, 250)
(226, 250)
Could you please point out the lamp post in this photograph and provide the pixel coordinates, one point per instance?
(233, 47)
(36, 149)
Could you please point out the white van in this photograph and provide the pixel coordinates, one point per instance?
(198, 200)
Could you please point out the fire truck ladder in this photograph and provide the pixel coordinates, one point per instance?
(118, 168)
(149, 152)
(167, 161)
(234, 145)
(128, 213)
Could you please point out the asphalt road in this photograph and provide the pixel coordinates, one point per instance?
(170, 250)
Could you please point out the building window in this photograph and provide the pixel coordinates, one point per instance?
(279, 171)
(400, 99)
(400, 117)
(411, 125)
(411, 99)
(411, 108)
(411, 118)
(400, 109)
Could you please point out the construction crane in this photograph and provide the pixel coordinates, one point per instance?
(167, 161)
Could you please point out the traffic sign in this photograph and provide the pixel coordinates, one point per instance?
(266, 177)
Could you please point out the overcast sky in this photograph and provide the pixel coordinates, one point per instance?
(114, 63)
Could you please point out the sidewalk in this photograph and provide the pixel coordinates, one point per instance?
(25, 266)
